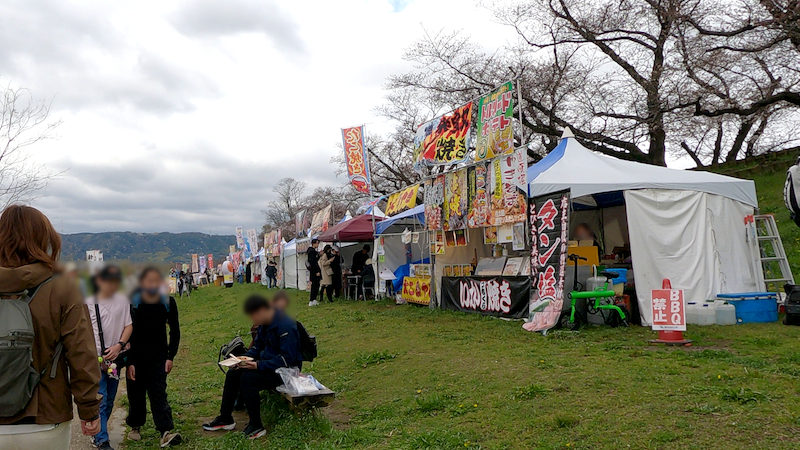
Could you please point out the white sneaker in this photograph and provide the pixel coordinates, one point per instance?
(313, 303)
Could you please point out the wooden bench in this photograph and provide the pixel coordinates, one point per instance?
(302, 403)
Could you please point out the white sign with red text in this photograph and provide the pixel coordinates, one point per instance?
(668, 309)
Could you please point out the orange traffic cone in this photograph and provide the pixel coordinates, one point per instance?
(670, 337)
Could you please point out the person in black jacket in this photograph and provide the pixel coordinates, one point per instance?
(336, 266)
(314, 271)
(151, 356)
(277, 344)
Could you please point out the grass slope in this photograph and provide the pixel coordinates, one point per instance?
(408, 377)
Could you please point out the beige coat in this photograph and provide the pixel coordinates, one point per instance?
(58, 315)
(325, 265)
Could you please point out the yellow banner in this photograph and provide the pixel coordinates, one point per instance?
(417, 290)
(403, 200)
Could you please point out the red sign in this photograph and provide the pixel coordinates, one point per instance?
(669, 312)
(355, 158)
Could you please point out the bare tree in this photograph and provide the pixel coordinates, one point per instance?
(280, 212)
(23, 123)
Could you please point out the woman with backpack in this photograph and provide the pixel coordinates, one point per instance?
(151, 356)
(36, 411)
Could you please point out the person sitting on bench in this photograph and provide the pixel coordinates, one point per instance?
(277, 344)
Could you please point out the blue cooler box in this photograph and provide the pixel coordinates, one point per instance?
(753, 306)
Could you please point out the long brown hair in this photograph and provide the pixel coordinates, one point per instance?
(27, 237)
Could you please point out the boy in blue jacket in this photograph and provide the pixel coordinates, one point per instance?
(276, 345)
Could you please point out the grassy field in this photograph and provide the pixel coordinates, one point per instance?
(408, 377)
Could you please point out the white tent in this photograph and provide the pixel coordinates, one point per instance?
(295, 274)
(687, 226)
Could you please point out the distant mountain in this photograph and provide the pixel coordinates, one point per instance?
(145, 247)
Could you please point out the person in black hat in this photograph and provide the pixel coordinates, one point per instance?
(315, 273)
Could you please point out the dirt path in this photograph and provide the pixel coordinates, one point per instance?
(116, 425)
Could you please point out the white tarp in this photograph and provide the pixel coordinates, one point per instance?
(572, 166)
(295, 274)
(695, 239)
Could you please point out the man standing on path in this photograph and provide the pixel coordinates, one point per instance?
(314, 270)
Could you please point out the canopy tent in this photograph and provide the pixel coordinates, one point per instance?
(293, 265)
(413, 217)
(687, 226)
(357, 229)
(572, 166)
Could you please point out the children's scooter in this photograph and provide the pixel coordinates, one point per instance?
(581, 304)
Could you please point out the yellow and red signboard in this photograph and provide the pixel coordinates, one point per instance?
(417, 290)
(402, 200)
(355, 158)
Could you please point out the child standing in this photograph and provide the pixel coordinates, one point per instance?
(151, 356)
(111, 321)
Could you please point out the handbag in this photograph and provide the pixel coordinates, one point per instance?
(122, 358)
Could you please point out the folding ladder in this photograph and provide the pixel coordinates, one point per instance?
(771, 265)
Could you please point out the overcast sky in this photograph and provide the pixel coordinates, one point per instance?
(180, 116)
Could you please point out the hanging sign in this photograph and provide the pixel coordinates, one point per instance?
(355, 158)
(239, 237)
(417, 290)
(210, 258)
(495, 133)
(668, 310)
(455, 200)
(479, 212)
(252, 240)
(402, 200)
(509, 201)
(444, 140)
(300, 223)
(492, 296)
(195, 263)
(549, 225)
(321, 220)
(434, 199)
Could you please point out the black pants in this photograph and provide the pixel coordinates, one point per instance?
(314, 288)
(151, 380)
(249, 383)
(273, 282)
(337, 285)
(327, 291)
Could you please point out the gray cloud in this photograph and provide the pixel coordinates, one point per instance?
(211, 193)
(211, 18)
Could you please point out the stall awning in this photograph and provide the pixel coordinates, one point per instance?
(357, 229)
(416, 214)
(586, 173)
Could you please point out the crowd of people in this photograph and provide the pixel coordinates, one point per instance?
(326, 275)
(78, 345)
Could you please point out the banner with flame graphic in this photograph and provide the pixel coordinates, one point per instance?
(355, 158)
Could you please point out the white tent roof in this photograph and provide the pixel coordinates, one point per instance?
(572, 166)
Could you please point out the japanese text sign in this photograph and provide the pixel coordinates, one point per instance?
(402, 200)
(355, 158)
(669, 312)
(444, 140)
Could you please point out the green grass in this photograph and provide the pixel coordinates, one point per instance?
(408, 377)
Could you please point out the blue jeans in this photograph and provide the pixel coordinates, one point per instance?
(108, 389)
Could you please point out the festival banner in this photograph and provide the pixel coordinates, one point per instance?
(203, 266)
(514, 175)
(321, 220)
(495, 133)
(455, 200)
(195, 263)
(444, 140)
(492, 296)
(210, 258)
(300, 223)
(479, 213)
(239, 237)
(549, 225)
(231, 249)
(252, 240)
(355, 158)
(417, 290)
(434, 199)
(402, 200)
(236, 259)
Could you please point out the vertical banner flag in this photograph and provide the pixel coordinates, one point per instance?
(514, 180)
(455, 200)
(300, 223)
(479, 213)
(434, 198)
(549, 225)
(402, 200)
(210, 261)
(444, 140)
(195, 263)
(239, 237)
(495, 134)
(355, 158)
(202, 262)
(321, 220)
(252, 240)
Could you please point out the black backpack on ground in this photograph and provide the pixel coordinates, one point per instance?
(792, 304)
(308, 343)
